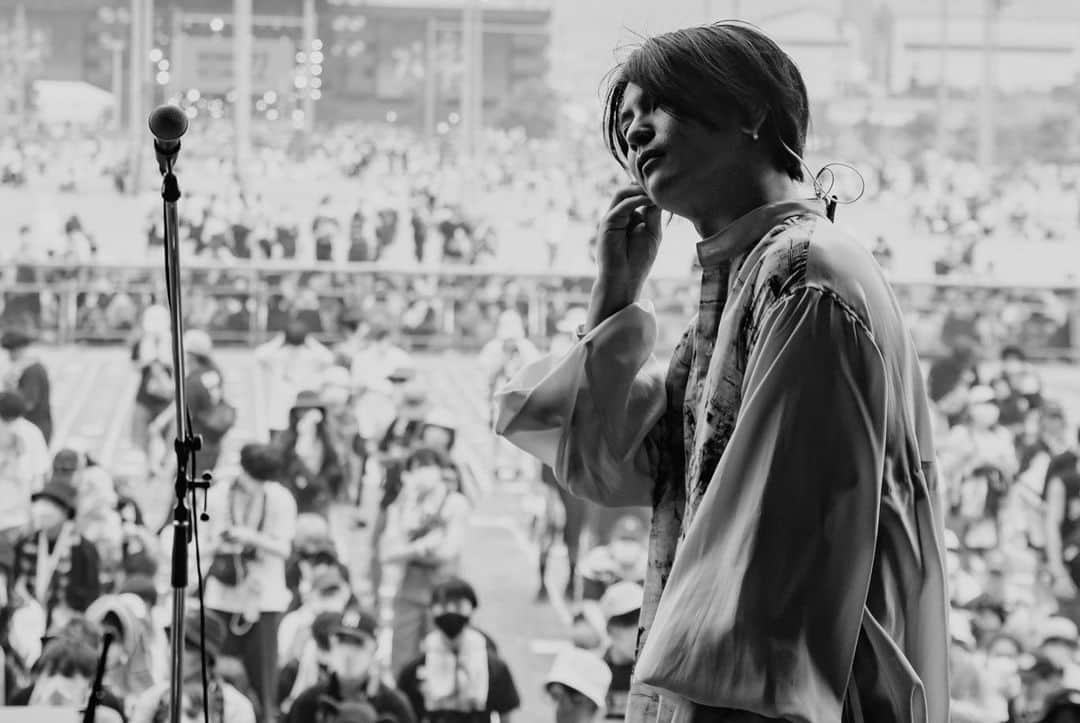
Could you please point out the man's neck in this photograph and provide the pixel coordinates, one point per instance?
(771, 189)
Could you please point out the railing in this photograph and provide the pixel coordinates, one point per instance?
(458, 307)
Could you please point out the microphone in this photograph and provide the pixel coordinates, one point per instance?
(167, 124)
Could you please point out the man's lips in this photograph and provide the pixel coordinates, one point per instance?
(648, 161)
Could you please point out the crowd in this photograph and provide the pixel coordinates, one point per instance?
(332, 548)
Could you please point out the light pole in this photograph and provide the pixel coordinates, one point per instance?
(987, 124)
(20, 47)
(242, 43)
(137, 60)
(309, 47)
(943, 77)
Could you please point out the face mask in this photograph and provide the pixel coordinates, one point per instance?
(451, 624)
(57, 690)
(625, 552)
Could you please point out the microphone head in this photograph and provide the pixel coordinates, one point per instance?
(168, 123)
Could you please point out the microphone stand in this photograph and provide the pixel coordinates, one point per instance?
(185, 444)
(99, 677)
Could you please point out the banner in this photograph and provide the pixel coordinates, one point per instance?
(206, 64)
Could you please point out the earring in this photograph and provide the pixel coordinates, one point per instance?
(755, 136)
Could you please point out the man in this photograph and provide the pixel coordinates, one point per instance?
(459, 677)
(293, 361)
(353, 676)
(788, 451)
(55, 565)
(23, 465)
(211, 415)
(63, 679)
(577, 683)
(621, 606)
(226, 703)
(97, 517)
(1044, 697)
(1062, 531)
(248, 538)
(28, 376)
(329, 593)
(1060, 642)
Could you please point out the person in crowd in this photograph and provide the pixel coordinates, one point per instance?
(984, 453)
(623, 558)
(458, 675)
(138, 545)
(97, 516)
(22, 473)
(137, 657)
(56, 567)
(226, 704)
(16, 661)
(1044, 697)
(354, 676)
(63, 677)
(329, 593)
(13, 410)
(1040, 440)
(426, 540)
(500, 359)
(1062, 529)
(577, 684)
(312, 467)
(152, 355)
(313, 553)
(29, 377)
(212, 416)
(247, 539)
(1059, 642)
(621, 606)
(970, 691)
(292, 360)
(312, 666)
(373, 365)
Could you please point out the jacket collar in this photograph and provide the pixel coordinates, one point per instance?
(745, 231)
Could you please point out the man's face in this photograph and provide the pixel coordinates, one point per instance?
(570, 705)
(1033, 697)
(350, 657)
(61, 690)
(623, 642)
(694, 160)
(46, 515)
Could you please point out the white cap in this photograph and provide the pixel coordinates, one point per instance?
(582, 671)
(981, 395)
(574, 318)
(336, 377)
(621, 598)
(198, 342)
(441, 417)
(960, 628)
(1060, 629)
(510, 326)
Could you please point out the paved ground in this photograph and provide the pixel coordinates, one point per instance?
(92, 402)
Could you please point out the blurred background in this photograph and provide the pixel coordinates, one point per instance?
(424, 177)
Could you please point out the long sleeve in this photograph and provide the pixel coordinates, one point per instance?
(589, 415)
(766, 597)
